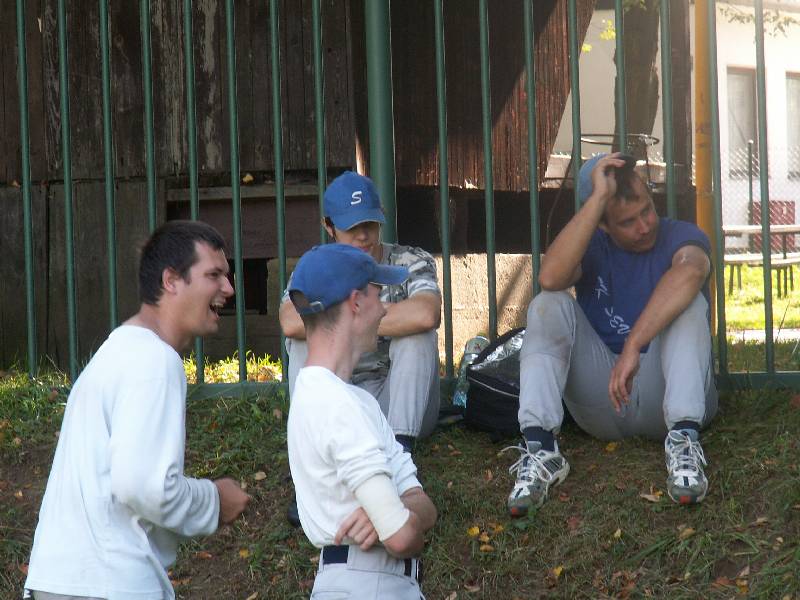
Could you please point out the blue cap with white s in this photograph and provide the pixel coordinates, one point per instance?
(352, 199)
(327, 274)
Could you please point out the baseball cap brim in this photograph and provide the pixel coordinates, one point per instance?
(356, 217)
(389, 275)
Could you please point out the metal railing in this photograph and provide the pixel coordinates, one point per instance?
(378, 53)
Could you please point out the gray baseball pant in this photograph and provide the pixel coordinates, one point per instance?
(563, 357)
(370, 575)
(49, 596)
(409, 394)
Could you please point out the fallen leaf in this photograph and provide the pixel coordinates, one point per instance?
(744, 573)
(277, 414)
(618, 534)
(759, 521)
(557, 571)
(486, 548)
(650, 497)
(17, 441)
(686, 533)
(181, 581)
(247, 179)
(449, 484)
(455, 453)
(473, 531)
(253, 596)
(18, 494)
(573, 522)
(484, 537)
(498, 528)
(24, 569)
(15, 183)
(452, 596)
(741, 584)
(202, 554)
(260, 476)
(722, 581)
(53, 395)
(472, 588)
(489, 475)
(612, 446)
(563, 497)
(435, 448)
(244, 553)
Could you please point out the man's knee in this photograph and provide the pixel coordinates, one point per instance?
(424, 344)
(551, 319)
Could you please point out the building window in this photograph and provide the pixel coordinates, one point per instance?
(793, 124)
(742, 121)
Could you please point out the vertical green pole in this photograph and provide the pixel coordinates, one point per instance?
(319, 111)
(191, 140)
(233, 114)
(749, 182)
(666, 108)
(622, 109)
(486, 113)
(147, 84)
(25, 150)
(575, 88)
(277, 142)
(108, 165)
(381, 113)
(444, 183)
(533, 151)
(66, 157)
(719, 239)
(763, 175)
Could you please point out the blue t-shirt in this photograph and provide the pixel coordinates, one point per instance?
(615, 284)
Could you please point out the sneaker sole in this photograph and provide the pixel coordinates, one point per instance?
(521, 511)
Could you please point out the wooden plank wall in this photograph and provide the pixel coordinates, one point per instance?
(253, 79)
(414, 79)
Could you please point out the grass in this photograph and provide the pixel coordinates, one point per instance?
(744, 309)
(597, 537)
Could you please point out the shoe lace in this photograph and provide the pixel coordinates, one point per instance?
(528, 466)
(686, 455)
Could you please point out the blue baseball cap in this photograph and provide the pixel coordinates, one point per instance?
(351, 199)
(585, 185)
(327, 274)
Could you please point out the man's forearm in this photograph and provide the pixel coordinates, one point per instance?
(675, 291)
(417, 314)
(420, 504)
(291, 323)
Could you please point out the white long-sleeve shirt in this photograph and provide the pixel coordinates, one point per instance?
(117, 502)
(338, 438)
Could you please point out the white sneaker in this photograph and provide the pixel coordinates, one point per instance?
(686, 482)
(537, 470)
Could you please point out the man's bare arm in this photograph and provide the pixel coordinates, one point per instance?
(561, 265)
(675, 291)
(291, 323)
(421, 312)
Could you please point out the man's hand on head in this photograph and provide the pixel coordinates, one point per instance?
(604, 177)
(359, 528)
(232, 500)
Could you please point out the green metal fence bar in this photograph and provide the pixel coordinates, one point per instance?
(277, 140)
(486, 113)
(25, 150)
(233, 120)
(533, 153)
(622, 109)
(319, 110)
(666, 108)
(444, 184)
(191, 143)
(749, 182)
(149, 127)
(575, 88)
(381, 119)
(763, 175)
(66, 158)
(108, 165)
(719, 239)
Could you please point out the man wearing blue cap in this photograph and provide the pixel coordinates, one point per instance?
(357, 492)
(631, 353)
(403, 371)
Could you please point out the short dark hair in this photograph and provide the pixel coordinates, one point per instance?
(172, 246)
(624, 177)
(322, 320)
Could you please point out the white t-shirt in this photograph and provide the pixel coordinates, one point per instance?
(117, 502)
(338, 438)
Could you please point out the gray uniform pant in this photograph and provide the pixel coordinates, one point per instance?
(563, 357)
(49, 596)
(409, 394)
(370, 575)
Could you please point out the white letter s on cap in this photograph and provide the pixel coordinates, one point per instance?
(356, 198)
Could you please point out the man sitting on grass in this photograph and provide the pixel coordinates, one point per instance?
(117, 501)
(631, 354)
(355, 484)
